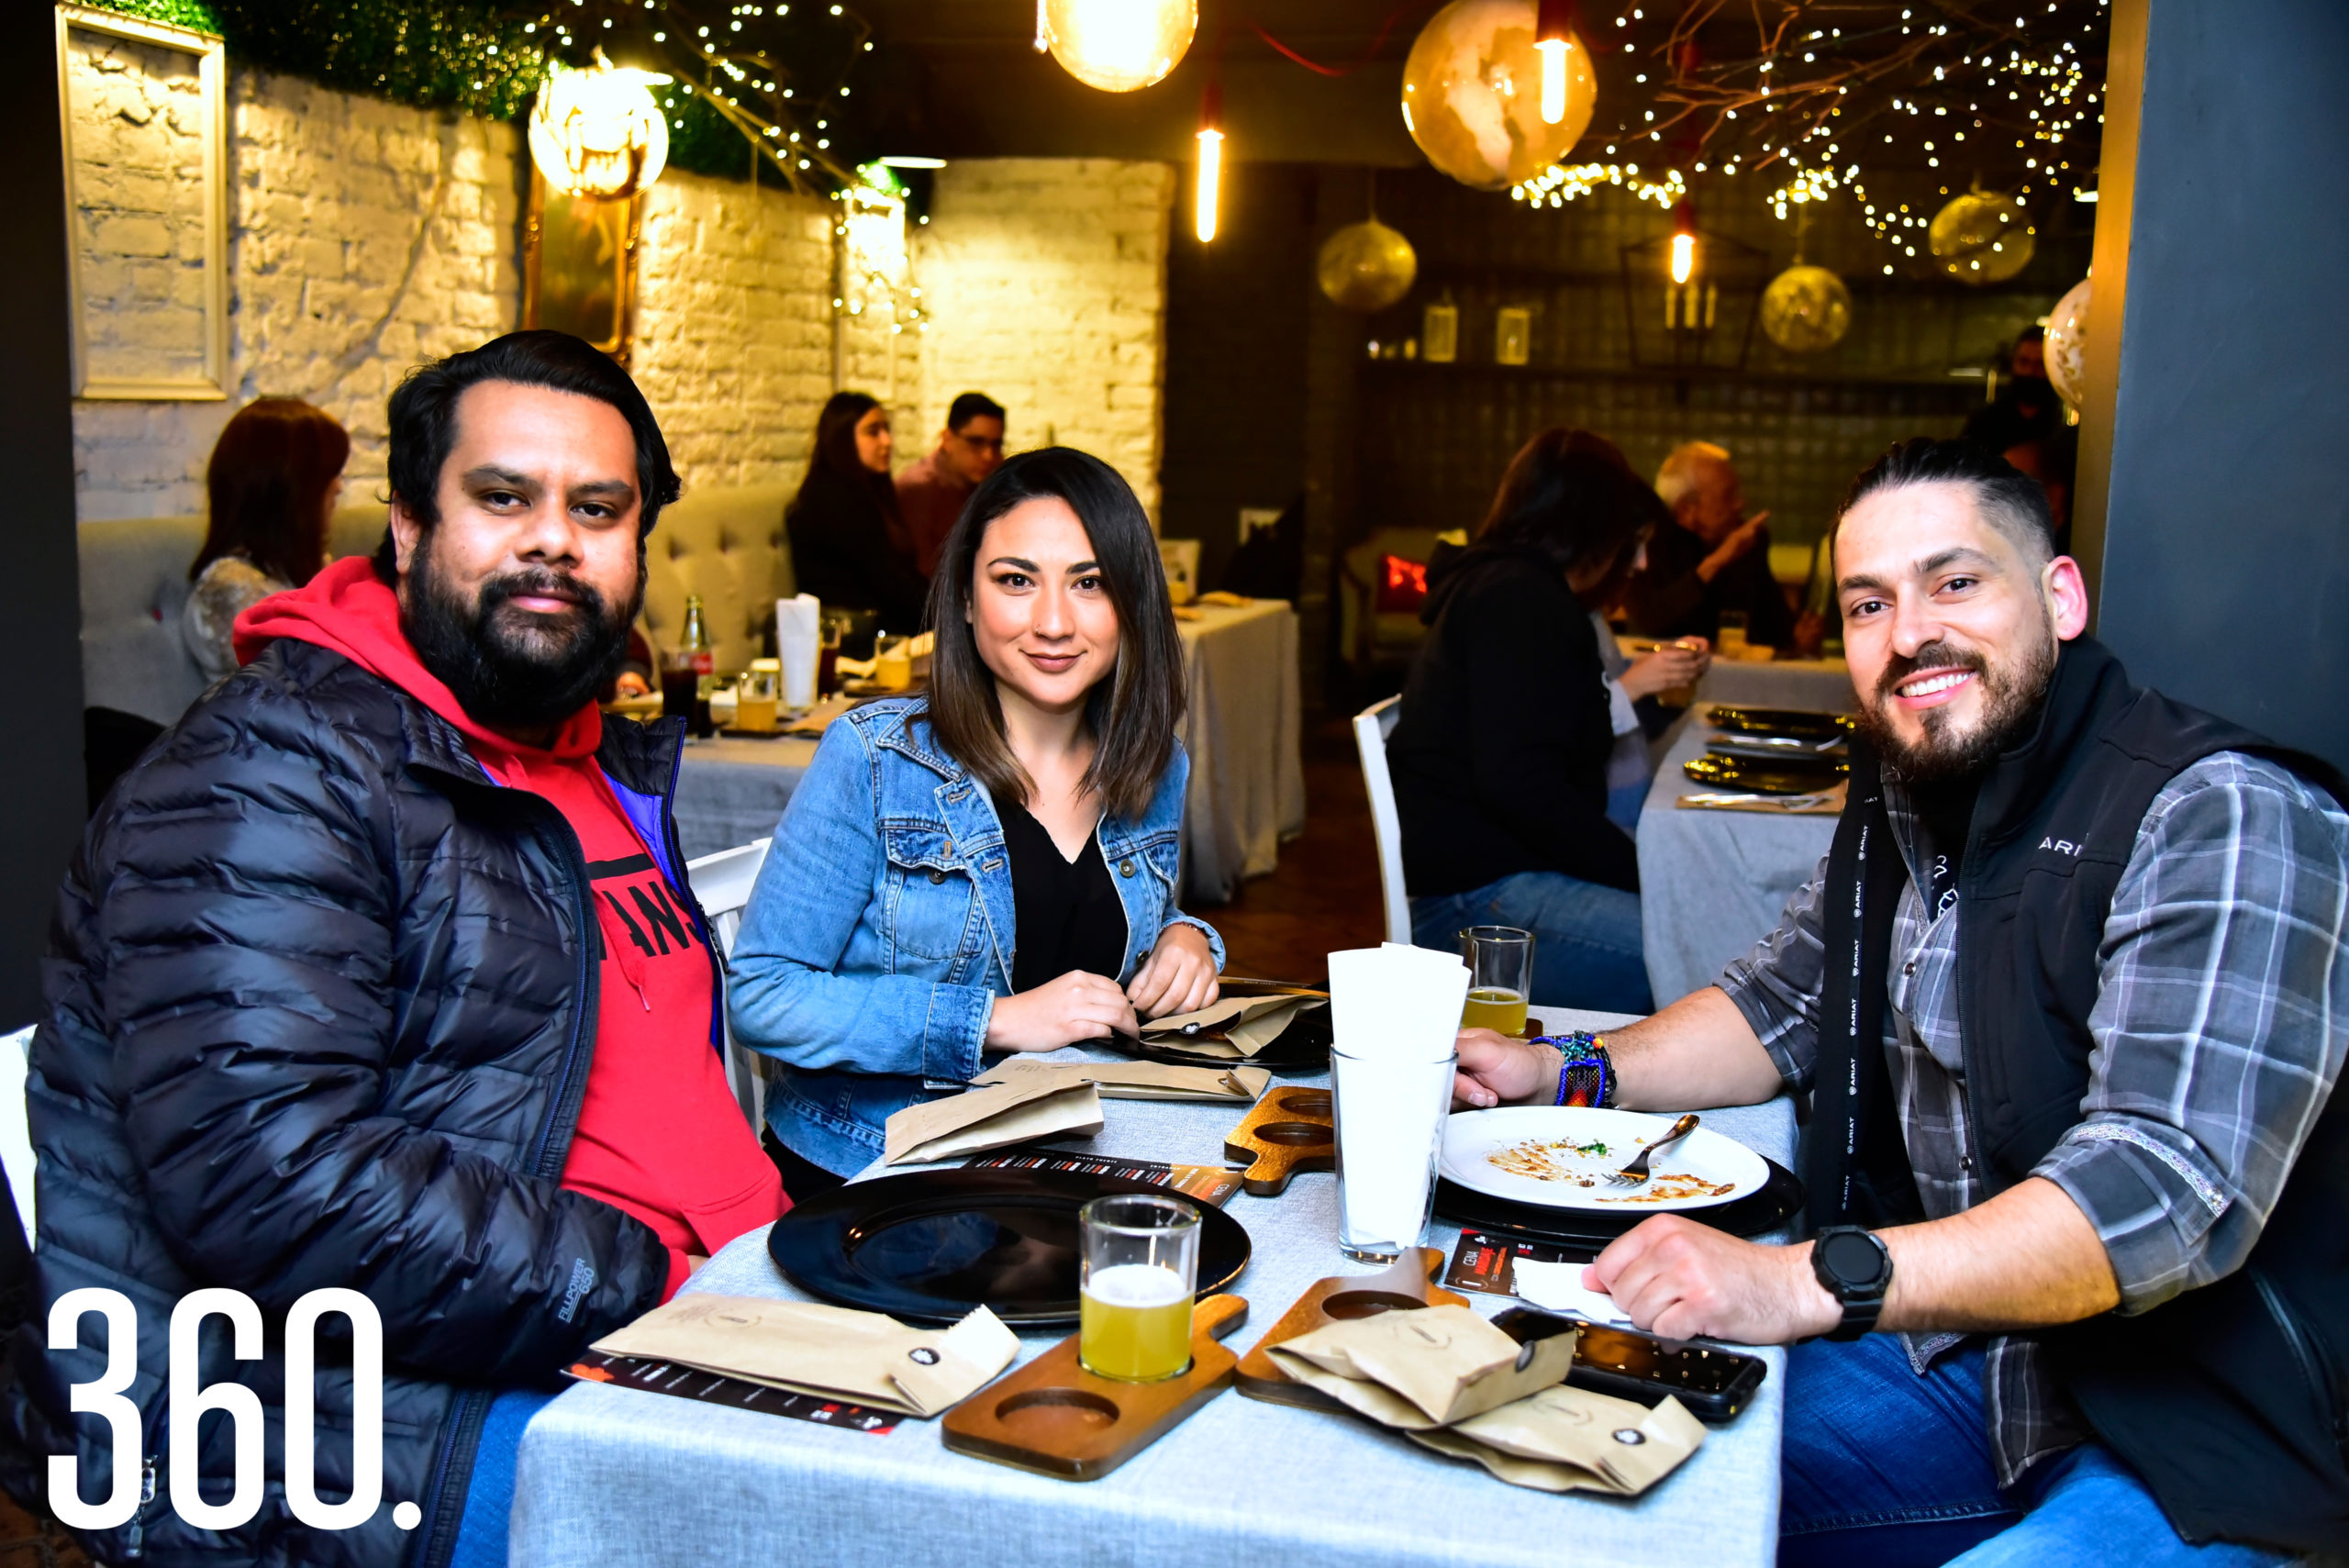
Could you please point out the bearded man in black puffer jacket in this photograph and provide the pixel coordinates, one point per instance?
(344, 993)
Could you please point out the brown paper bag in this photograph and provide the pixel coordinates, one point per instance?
(832, 1352)
(1570, 1439)
(1418, 1370)
(991, 1118)
(1137, 1080)
(1248, 1023)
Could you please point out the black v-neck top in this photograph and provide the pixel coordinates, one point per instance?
(1068, 912)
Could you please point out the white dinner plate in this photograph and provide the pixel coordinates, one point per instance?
(1579, 1146)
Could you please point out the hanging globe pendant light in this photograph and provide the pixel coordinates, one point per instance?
(1119, 46)
(1474, 90)
(597, 133)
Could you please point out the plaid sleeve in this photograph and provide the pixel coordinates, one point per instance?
(1777, 986)
(2218, 1025)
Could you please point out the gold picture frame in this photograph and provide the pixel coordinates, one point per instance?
(154, 243)
(579, 266)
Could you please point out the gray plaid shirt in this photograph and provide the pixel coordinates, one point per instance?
(2218, 1026)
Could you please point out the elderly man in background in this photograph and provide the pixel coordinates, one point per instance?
(1717, 559)
(930, 493)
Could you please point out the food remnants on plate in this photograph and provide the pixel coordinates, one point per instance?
(1587, 1164)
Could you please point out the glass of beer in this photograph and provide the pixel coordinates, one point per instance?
(1141, 1268)
(1500, 977)
(1731, 644)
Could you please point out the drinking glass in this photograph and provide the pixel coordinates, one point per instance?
(1390, 1112)
(892, 664)
(1732, 642)
(1500, 977)
(1141, 1270)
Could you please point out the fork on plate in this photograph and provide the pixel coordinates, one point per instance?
(1632, 1175)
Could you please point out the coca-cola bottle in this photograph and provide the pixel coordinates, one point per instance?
(688, 671)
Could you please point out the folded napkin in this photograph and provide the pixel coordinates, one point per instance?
(1570, 1439)
(1558, 1287)
(1019, 1112)
(1394, 1002)
(1248, 1023)
(818, 720)
(1135, 1080)
(1415, 1370)
(833, 1352)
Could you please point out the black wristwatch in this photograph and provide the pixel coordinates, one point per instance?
(1855, 1267)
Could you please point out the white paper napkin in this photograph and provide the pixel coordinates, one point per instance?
(796, 642)
(1558, 1287)
(1396, 1002)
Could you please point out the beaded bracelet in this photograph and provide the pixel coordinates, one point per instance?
(1585, 1073)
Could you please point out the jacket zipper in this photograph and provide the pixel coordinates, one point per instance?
(717, 965)
(571, 1087)
(2311, 1360)
(448, 1504)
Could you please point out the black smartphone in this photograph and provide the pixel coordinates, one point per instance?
(1713, 1383)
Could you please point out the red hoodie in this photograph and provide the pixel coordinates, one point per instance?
(660, 1136)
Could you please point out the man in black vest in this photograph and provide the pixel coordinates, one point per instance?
(2069, 994)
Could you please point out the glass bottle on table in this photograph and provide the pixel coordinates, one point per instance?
(689, 671)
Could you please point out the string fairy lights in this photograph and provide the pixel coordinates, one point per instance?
(1940, 89)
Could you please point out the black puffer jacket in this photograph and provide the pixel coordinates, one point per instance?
(321, 1009)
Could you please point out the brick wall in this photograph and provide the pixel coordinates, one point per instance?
(1047, 278)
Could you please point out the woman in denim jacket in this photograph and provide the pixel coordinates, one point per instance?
(991, 867)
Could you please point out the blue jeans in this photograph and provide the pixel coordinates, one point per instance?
(1885, 1468)
(1586, 947)
(489, 1496)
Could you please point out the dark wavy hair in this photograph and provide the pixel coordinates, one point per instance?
(424, 420)
(1135, 710)
(266, 488)
(1570, 498)
(2009, 499)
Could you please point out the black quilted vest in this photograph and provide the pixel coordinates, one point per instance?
(2229, 1400)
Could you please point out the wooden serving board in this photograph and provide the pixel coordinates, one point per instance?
(1291, 1129)
(1403, 1286)
(1056, 1419)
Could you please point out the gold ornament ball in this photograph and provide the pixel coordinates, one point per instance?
(1366, 267)
(1806, 309)
(1981, 238)
(1120, 45)
(2066, 347)
(1472, 94)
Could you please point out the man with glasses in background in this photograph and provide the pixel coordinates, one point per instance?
(930, 493)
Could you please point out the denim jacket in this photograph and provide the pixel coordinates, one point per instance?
(880, 930)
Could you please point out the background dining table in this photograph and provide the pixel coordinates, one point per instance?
(1712, 883)
(611, 1475)
(1242, 730)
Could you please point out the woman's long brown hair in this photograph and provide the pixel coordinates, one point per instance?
(1133, 709)
(267, 487)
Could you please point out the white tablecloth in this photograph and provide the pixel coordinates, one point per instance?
(616, 1475)
(1243, 730)
(1821, 684)
(1712, 883)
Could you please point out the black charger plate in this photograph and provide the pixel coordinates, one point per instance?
(1779, 1200)
(1791, 776)
(929, 1246)
(1804, 723)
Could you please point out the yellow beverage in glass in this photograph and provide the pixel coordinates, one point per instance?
(1494, 1008)
(1134, 1323)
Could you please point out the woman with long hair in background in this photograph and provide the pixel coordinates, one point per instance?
(274, 477)
(849, 547)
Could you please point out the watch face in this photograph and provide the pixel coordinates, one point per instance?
(1855, 1259)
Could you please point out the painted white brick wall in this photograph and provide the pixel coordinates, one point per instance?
(1047, 280)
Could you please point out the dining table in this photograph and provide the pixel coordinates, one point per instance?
(1242, 730)
(613, 1474)
(1712, 883)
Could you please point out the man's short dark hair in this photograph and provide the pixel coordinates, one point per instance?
(2009, 499)
(424, 418)
(969, 406)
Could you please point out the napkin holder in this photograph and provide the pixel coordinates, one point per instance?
(1406, 1285)
(1055, 1417)
(1290, 1130)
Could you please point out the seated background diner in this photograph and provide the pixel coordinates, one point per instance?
(931, 490)
(1500, 757)
(1713, 557)
(273, 479)
(849, 546)
(991, 866)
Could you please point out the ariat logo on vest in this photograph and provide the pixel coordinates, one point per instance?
(2061, 846)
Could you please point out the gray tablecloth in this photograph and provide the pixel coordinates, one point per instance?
(614, 1476)
(1242, 730)
(1823, 683)
(1712, 883)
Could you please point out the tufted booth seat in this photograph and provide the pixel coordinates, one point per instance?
(725, 545)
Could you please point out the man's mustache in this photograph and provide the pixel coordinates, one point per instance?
(541, 582)
(1931, 656)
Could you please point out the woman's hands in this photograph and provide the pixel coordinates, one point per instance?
(1079, 1005)
(1178, 977)
(1677, 664)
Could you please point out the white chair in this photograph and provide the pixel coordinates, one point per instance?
(1373, 725)
(16, 1127)
(721, 884)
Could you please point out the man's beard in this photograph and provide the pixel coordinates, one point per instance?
(2011, 700)
(510, 667)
